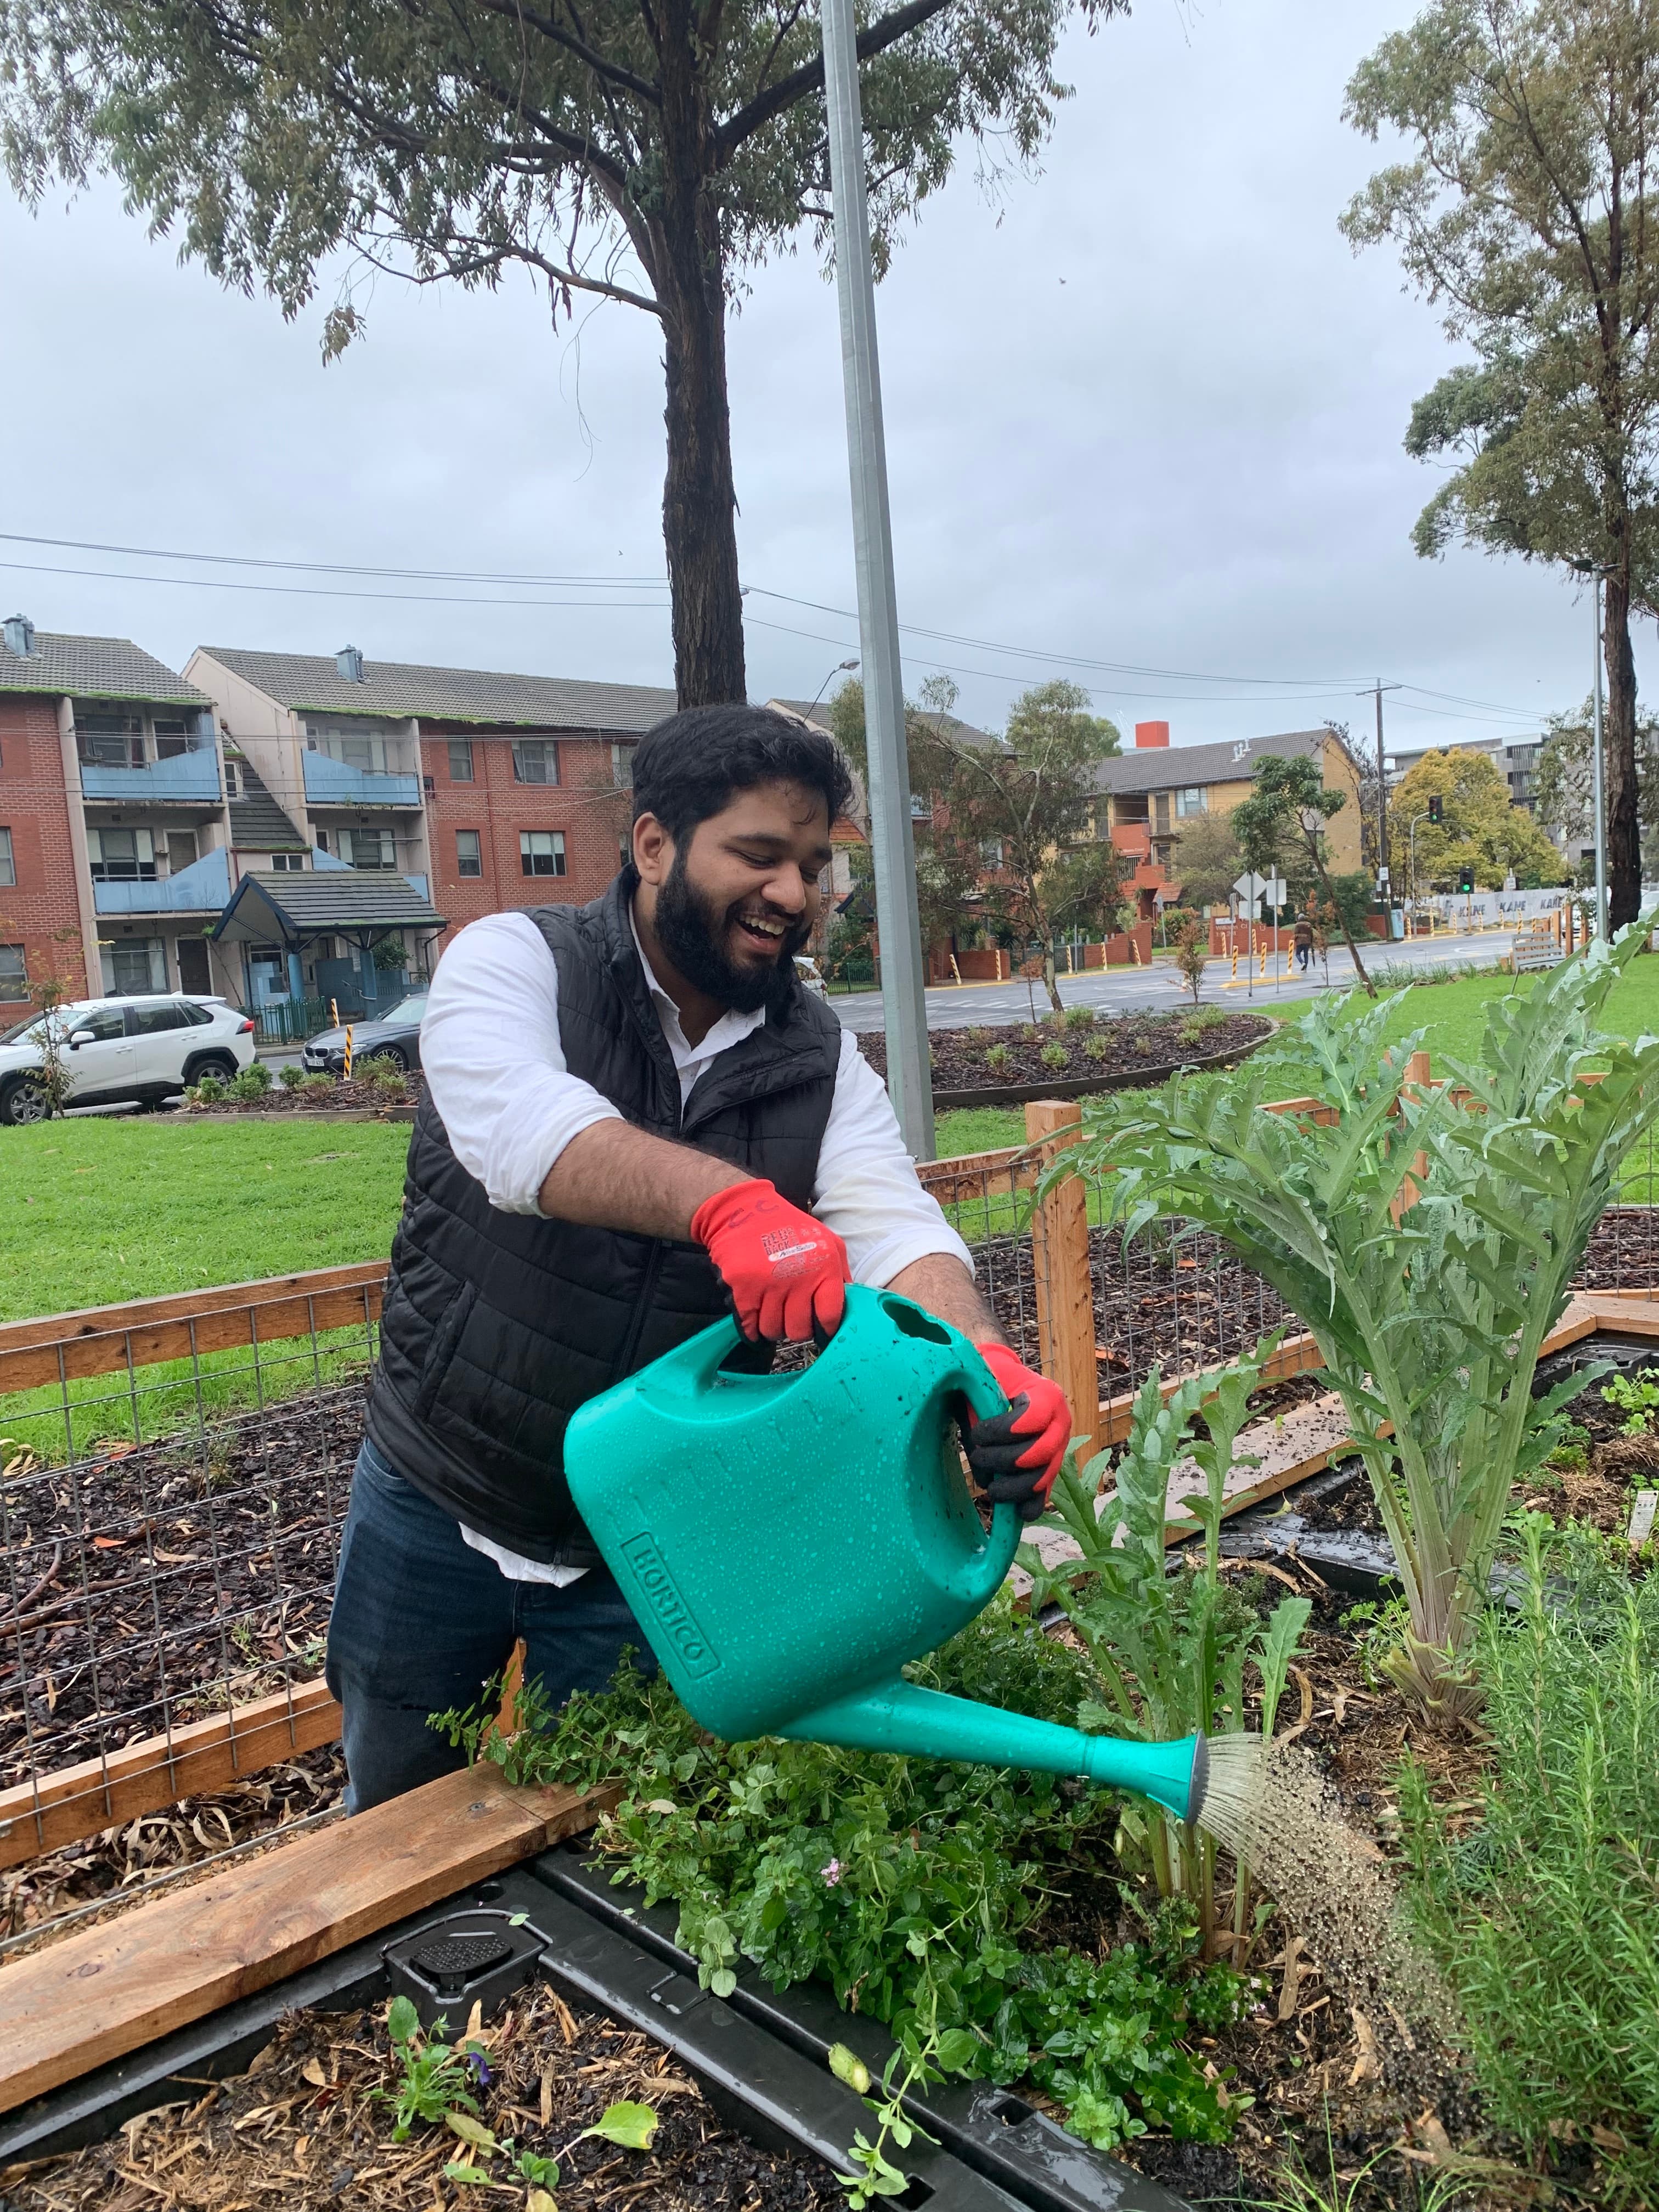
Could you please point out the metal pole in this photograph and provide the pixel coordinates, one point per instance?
(1600, 809)
(1382, 808)
(904, 1006)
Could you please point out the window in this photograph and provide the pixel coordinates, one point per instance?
(469, 853)
(358, 745)
(149, 1021)
(196, 1017)
(460, 760)
(622, 767)
(8, 865)
(14, 976)
(134, 966)
(287, 864)
(541, 852)
(109, 741)
(535, 760)
(103, 1027)
(990, 851)
(231, 791)
(1190, 802)
(121, 856)
(181, 851)
(921, 807)
(367, 848)
(172, 736)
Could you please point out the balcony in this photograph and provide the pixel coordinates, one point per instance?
(202, 888)
(189, 779)
(331, 783)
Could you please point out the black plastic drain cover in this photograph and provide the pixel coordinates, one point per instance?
(461, 1955)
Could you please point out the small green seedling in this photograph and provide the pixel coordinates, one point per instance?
(434, 2078)
(1636, 1396)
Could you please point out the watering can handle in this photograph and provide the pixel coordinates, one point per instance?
(979, 1580)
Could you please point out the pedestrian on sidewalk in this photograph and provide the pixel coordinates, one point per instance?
(1304, 941)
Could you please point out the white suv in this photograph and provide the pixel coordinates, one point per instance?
(122, 1050)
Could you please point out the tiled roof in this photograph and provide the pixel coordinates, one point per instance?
(448, 694)
(257, 823)
(268, 909)
(94, 668)
(1180, 767)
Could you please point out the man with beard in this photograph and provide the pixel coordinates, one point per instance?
(635, 1122)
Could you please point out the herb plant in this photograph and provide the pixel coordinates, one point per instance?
(434, 2081)
(1169, 1650)
(1541, 1913)
(1427, 1239)
(1636, 1396)
(912, 1888)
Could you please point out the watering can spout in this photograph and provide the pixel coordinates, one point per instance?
(903, 1717)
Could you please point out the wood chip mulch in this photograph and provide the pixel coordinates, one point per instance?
(1144, 1047)
(308, 2126)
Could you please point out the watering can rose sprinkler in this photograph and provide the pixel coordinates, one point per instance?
(788, 1541)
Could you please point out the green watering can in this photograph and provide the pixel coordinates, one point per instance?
(788, 1541)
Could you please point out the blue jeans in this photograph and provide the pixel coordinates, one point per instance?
(421, 1621)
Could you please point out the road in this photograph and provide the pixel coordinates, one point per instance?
(1159, 988)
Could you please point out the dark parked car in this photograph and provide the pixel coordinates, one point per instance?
(395, 1037)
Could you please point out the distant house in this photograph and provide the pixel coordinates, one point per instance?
(1147, 793)
(113, 832)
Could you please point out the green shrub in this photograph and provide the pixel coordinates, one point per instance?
(1636, 1396)
(207, 1091)
(998, 1059)
(250, 1083)
(1078, 1017)
(1541, 1915)
(290, 1076)
(1054, 1056)
(1096, 1048)
(316, 1085)
(905, 1884)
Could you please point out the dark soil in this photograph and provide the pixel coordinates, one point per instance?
(158, 1583)
(1144, 1047)
(305, 2127)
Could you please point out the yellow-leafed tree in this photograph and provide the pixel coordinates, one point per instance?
(1478, 827)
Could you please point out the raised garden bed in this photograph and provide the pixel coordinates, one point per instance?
(1117, 1053)
(319, 1098)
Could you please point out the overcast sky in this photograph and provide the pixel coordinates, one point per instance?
(1145, 410)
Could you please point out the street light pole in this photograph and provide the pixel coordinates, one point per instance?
(1412, 834)
(904, 1006)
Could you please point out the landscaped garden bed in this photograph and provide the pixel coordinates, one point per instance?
(376, 1087)
(1075, 1052)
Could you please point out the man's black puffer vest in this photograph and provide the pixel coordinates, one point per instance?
(498, 1325)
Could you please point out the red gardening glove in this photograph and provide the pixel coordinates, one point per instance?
(1015, 1457)
(784, 1270)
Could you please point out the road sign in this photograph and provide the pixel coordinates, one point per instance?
(1274, 888)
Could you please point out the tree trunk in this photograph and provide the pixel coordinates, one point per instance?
(1619, 741)
(1342, 920)
(699, 505)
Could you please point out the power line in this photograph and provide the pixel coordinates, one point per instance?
(318, 591)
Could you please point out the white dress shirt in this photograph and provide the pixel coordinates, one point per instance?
(491, 1053)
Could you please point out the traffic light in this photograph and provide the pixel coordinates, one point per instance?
(1466, 876)
(1436, 807)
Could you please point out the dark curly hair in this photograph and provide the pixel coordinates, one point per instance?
(689, 767)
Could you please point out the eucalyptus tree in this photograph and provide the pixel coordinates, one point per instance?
(1524, 210)
(648, 152)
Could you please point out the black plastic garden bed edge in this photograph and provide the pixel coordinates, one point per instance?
(1086, 1086)
(760, 2062)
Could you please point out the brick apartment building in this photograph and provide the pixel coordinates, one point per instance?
(1147, 795)
(111, 808)
(482, 791)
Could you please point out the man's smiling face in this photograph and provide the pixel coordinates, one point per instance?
(739, 898)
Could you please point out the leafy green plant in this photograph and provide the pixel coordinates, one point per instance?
(1096, 1048)
(629, 2126)
(1169, 1650)
(1427, 1239)
(316, 1085)
(250, 1083)
(1541, 1915)
(873, 2173)
(1054, 1056)
(207, 1091)
(1636, 1396)
(998, 1059)
(910, 1888)
(1079, 1017)
(290, 1076)
(433, 2080)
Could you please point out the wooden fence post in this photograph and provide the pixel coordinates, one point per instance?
(1060, 1265)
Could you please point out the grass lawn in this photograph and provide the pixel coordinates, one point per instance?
(98, 1210)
